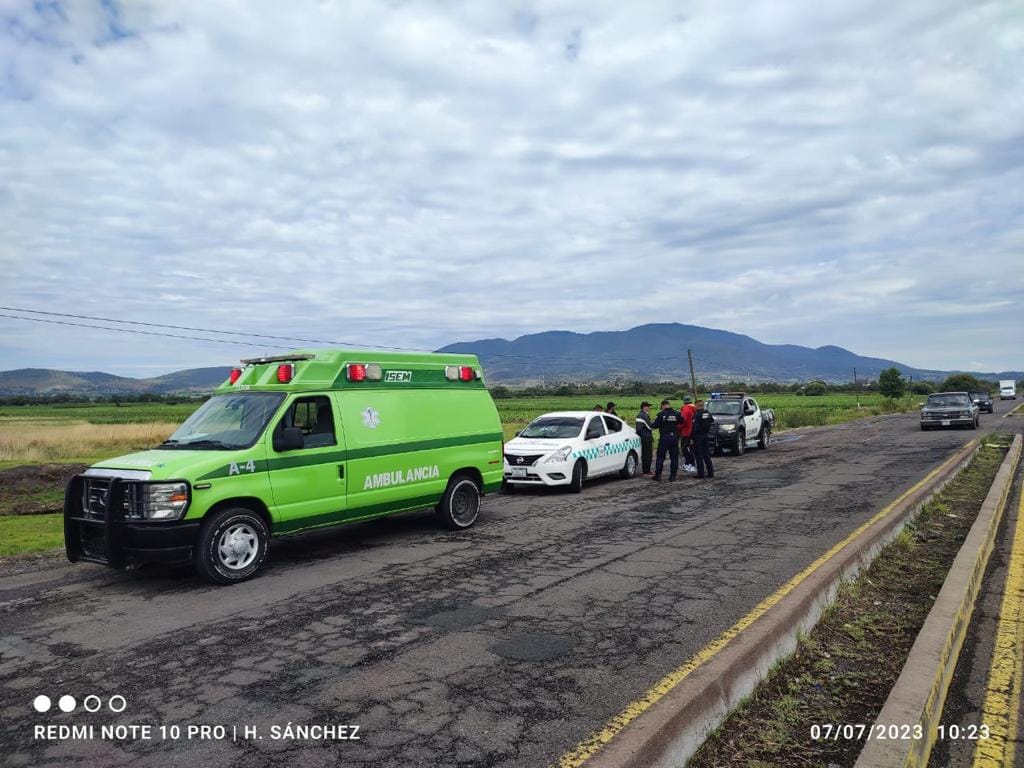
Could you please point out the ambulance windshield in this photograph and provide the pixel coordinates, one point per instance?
(226, 422)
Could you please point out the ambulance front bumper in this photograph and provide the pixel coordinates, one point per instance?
(106, 536)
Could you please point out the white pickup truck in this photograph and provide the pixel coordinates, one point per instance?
(1007, 389)
(738, 418)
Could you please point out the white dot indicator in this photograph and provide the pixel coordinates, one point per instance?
(67, 703)
(41, 703)
(92, 703)
(117, 703)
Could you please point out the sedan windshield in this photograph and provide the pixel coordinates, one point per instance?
(723, 407)
(554, 427)
(940, 400)
(226, 422)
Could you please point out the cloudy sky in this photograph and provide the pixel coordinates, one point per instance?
(412, 174)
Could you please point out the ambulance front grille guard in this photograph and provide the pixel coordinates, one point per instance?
(94, 516)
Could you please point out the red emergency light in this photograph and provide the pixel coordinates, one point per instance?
(285, 373)
(236, 374)
(356, 372)
(466, 373)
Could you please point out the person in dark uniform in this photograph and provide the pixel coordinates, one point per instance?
(703, 423)
(610, 408)
(646, 435)
(666, 422)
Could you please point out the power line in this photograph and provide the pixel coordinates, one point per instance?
(191, 328)
(145, 333)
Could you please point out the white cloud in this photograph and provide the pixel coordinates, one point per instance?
(415, 174)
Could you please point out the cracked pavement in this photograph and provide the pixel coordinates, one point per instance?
(503, 645)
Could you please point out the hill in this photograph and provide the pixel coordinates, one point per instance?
(658, 352)
(655, 352)
(44, 381)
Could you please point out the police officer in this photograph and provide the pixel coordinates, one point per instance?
(643, 430)
(666, 423)
(703, 423)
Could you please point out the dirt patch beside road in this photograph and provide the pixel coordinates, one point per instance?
(35, 489)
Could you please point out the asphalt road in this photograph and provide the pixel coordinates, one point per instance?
(500, 646)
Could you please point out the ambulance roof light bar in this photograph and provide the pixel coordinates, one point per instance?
(363, 372)
(461, 373)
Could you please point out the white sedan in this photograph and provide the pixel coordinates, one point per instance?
(567, 447)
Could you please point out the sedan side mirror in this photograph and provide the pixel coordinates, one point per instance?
(289, 439)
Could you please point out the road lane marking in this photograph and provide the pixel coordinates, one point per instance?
(1001, 709)
(591, 745)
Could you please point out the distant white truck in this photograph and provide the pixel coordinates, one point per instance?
(1007, 389)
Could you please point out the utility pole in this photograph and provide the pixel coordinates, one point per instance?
(856, 388)
(693, 376)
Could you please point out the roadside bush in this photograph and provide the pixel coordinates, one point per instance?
(816, 389)
(964, 382)
(891, 383)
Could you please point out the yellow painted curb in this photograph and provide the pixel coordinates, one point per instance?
(1001, 710)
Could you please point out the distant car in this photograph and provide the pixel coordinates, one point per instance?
(568, 447)
(983, 400)
(949, 409)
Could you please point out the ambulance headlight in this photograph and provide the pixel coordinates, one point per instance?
(560, 456)
(158, 501)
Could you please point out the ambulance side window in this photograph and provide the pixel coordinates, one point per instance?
(314, 417)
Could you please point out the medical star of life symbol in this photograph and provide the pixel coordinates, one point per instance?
(371, 418)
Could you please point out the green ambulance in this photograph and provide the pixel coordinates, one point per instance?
(306, 440)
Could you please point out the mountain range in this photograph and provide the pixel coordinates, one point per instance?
(658, 352)
(648, 352)
(45, 381)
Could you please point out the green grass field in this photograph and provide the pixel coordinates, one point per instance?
(790, 410)
(30, 533)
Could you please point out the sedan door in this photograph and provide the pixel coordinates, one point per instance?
(595, 447)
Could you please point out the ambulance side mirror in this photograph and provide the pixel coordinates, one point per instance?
(288, 439)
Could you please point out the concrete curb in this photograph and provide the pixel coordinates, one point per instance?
(671, 730)
(920, 691)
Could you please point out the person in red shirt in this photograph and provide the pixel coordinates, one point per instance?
(686, 434)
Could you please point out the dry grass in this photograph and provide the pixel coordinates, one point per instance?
(39, 441)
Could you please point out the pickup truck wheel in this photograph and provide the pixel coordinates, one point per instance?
(579, 475)
(629, 470)
(460, 505)
(741, 443)
(765, 439)
(232, 546)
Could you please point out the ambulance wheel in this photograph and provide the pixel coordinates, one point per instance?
(460, 505)
(765, 438)
(629, 471)
(232, 546)
(579, 475)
